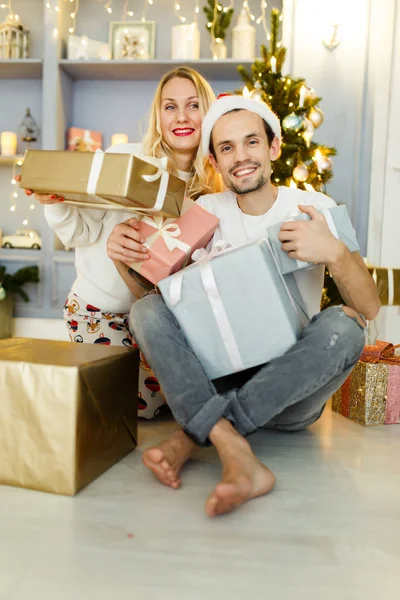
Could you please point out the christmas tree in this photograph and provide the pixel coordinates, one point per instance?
(302, 162)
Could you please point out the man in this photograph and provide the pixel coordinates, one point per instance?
(242, 137)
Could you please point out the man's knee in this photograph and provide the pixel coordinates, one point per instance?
(355, 316)
(144, 312)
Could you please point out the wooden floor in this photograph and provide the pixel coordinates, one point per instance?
(329, 530)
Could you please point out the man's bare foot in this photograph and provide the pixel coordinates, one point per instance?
(167, 458)
(244, 477)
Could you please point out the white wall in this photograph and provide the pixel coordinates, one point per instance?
(340, 76)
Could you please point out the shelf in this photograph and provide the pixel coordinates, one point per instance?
(149, 69)
(10, 160)
(29, 68)
(20, 254)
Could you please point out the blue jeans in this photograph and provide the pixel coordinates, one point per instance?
(288, 393)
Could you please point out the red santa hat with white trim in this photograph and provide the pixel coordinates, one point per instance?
(226, 103)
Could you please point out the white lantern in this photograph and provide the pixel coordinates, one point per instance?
(13, 39)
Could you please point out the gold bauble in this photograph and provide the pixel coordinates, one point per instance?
(300, 173)
(316, 117)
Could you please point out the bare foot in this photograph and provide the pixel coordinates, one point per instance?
(167, 458)
(244, 477)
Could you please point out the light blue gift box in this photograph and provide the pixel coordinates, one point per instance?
(339, 224)
(259, 319)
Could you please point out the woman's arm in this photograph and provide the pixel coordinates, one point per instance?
(74, 226)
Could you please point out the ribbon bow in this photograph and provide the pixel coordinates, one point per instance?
(381, 352)
(168, 231)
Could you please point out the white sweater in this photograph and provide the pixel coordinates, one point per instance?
(98, 281)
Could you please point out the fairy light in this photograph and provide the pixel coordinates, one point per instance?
(182, 19)
(108, 7)
(245, 5)
(144, 10)
(72, 15)
(218, 8)
(126, 12)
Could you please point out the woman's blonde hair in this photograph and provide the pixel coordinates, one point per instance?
(203, 178)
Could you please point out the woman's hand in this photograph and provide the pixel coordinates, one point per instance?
(42, 198)
(126, 244)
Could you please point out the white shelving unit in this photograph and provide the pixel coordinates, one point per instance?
(29, 68)
(147, 70)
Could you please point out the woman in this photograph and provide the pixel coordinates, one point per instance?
(96, 310)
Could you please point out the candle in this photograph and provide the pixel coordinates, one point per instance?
(185, 42)
(8, 142)
(119, 138)
(303, 91)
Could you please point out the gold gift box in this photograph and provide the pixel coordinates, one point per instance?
(120, 185)
(68, 412)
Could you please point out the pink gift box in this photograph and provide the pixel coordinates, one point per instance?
(84, 140)
(171, 242)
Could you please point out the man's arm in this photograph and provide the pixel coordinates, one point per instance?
(354, 283)
(311, 241)
(137, 284)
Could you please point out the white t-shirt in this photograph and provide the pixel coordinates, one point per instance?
(238, 228)
(98, 281)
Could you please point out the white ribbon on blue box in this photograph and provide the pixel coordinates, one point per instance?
(339, 224)
(235, 308)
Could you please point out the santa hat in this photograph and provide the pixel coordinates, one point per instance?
(226, 103)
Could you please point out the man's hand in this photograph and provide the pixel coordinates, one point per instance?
(125, 243)
(311, 241)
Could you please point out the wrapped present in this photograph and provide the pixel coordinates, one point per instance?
(371, 394)
(83, 140)
(171, 242)
(68, 412)
(105, 180)
(339, 223)
(220, 303)
(388, 284)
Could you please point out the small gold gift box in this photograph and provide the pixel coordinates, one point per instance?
(68, 412)
(104, 180)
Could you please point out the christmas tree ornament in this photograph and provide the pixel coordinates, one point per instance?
(300, 173)
(308, 132)
(316, 117)
(325, 163)
(244, 38)
(257, 93)
(2, 293)
(28, 129)
(293, 123)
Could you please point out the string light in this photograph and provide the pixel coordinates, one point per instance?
(126, 12)
(218, 8)
(144, 10)
(248, 11)
(72, 15)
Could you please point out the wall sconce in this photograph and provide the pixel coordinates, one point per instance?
(332, 39)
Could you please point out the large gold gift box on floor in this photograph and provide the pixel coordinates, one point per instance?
(68, 412)
(123, 181)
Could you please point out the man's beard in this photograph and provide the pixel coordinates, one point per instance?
(250, 187)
